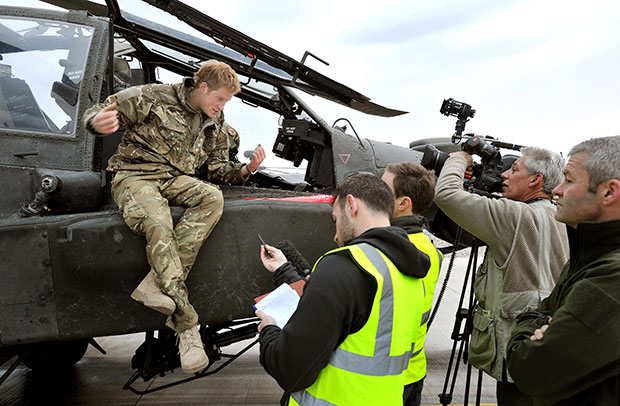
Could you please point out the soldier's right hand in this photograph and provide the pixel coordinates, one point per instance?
(106, 121)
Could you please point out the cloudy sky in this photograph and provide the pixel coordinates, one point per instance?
(540, 73)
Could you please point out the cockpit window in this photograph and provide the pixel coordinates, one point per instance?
(168, 53)
(42, 65)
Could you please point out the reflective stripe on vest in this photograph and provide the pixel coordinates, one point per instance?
(379, 373)
(306, 399)
(381, 363)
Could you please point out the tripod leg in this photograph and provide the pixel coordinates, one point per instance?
(479, 388)
(467, 384)
(445, 398)
(464, 314)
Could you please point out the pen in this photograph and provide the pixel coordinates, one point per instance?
(264, 245)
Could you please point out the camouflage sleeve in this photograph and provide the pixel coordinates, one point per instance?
(131, 104)
(88, 116)
(220, 168)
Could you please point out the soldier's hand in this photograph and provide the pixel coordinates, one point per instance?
(257, 157)
(273, 262)
(265, 320)
(106, 121)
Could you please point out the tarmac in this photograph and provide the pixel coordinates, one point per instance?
(98, 379)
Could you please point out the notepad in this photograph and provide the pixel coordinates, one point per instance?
(279, 304)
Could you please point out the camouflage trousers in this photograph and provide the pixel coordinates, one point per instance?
(171, 250)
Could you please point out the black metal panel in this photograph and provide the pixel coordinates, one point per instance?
(98, 261)
(16, 187)
(27, 303)
(228, 273)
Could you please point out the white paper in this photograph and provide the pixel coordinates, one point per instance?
(280, 304)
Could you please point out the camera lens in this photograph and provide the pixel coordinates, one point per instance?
(433, 158)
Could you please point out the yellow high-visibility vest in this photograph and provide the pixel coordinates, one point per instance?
(369, 367)
(417, 364)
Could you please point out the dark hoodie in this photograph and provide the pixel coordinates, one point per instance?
(336, 302)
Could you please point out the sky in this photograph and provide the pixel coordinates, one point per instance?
(542, 73)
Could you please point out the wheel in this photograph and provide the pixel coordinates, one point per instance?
(55, 355)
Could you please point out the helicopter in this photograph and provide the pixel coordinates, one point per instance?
(68, 260)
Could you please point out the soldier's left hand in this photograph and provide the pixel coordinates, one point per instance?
(257, 157)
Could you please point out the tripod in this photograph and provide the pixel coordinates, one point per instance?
(461, 333)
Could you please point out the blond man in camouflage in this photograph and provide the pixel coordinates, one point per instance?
(171, 131)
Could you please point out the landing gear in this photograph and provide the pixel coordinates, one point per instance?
(54, 355)
(51, 356)
(156, 356)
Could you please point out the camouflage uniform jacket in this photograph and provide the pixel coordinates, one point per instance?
(166, 137)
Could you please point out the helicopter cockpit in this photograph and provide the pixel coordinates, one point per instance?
(41, 69)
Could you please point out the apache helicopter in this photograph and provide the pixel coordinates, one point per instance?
(68, 261)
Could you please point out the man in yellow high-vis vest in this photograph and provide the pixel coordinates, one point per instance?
(350, 340)
(413, 187)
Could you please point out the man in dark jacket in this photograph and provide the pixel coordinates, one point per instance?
(568, 351)
(341, 300)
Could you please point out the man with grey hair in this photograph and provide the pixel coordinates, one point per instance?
(567, 351)
(526, 250)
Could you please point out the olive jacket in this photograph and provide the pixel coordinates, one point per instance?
(577, 362)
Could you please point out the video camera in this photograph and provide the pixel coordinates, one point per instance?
(484, 178)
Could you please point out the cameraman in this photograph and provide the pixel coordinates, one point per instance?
(526, 251)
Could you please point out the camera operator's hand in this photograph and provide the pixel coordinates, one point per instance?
(465, 155)
(273, 262)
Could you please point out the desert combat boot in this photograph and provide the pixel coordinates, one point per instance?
(150, 295)
(191, 350)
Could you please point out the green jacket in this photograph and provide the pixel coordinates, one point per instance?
(165, 137)
(578, 360)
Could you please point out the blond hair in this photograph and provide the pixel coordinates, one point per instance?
(217, 74)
